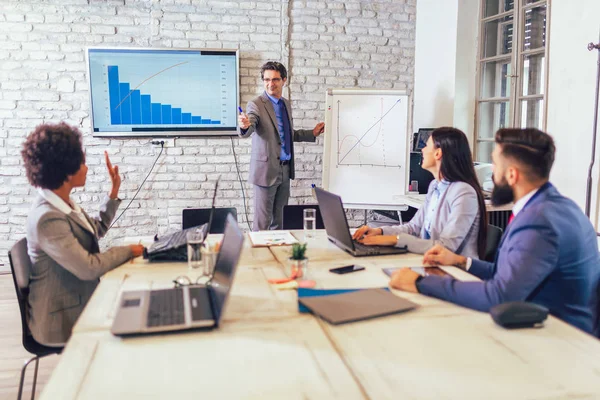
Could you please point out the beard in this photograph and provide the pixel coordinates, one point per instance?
(502, 193)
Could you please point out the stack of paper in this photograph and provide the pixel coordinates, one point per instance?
(271, 238)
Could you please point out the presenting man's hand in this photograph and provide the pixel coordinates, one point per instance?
(319, 128)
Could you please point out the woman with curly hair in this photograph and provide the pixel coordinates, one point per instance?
(62, 240)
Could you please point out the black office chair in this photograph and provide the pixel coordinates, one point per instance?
(293, 216)
(197, 216)
(21, 268)
(494, 234)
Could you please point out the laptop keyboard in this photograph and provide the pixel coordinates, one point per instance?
(174, 240)
(166, 308)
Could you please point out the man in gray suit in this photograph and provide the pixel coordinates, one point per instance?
(269, 118)
(62, 239)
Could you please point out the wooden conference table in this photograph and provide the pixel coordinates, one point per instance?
(266, 349)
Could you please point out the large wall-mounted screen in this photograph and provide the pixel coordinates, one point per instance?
(163, 92)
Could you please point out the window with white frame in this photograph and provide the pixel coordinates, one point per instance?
(512, 69)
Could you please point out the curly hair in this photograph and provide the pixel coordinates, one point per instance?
(51, 153)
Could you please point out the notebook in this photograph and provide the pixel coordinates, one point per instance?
(356, 306)
(271, 238)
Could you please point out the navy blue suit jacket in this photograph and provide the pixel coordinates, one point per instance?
(548, 255)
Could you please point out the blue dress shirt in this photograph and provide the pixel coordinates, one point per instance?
(278, 115)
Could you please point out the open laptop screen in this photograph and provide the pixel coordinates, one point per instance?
(334, 217)
(226, 264)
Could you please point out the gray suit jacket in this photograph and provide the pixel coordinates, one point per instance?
(66, 264)
(455, 224)
(266, 143)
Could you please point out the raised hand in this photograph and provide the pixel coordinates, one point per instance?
(115, 178)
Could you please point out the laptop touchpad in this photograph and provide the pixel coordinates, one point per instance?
(199, 300)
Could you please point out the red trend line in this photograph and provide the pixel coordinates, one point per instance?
(146, 80)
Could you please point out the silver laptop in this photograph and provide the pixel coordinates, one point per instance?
(186, 307)
(338, 231)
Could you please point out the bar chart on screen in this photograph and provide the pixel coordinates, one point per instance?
(129, 106)
(151, 90)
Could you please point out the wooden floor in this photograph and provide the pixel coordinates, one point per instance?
(12, 354)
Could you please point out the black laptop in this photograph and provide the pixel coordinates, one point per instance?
(173, 247)
(338, 231)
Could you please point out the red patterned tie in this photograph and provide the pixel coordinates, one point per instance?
(512, 216)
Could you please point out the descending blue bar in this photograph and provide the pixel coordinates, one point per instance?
(215, 122)
(186, 118)
(205, 121)
(113, 94)
(136, 108)
(176, 112)
(156, 112)
(125, 103)
(166, 113)
(146, 111)
(196, 120)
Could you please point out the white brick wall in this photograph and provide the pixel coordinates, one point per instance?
(330, 43)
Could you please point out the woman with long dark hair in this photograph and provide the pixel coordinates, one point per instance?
(454, 211)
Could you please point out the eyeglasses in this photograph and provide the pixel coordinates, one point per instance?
(183, 280)
(274, 80)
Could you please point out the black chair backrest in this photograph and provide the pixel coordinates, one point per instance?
(20, 265)
(293, 216)
(494, 234)
(197, 216)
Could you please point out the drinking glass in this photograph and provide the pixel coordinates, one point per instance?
(194, 245)
(310, 223)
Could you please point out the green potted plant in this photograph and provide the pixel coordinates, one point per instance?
(298, 261)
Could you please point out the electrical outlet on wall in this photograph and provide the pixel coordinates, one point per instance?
(168, 142)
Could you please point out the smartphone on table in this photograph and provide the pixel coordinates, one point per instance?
(346, 269)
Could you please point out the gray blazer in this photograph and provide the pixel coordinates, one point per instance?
(266, 143)
(455, 224)
(66, 264)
